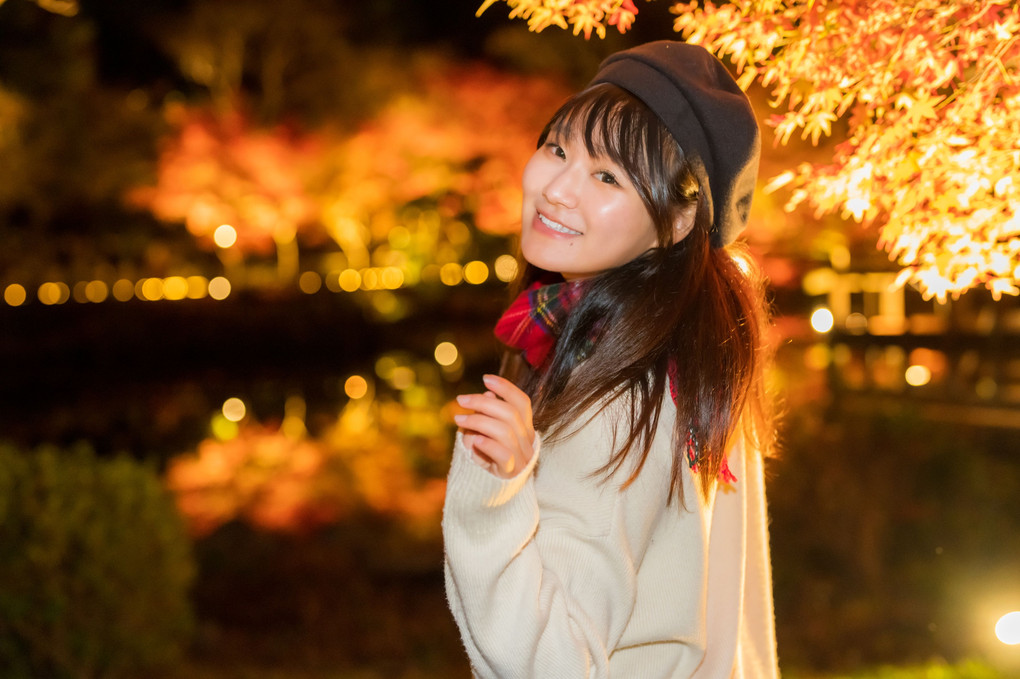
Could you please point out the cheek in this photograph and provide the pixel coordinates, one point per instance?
(531, 177)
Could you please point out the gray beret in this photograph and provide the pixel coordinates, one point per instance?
(707, 113)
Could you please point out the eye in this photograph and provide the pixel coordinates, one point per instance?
(556, 149)
(607, 177)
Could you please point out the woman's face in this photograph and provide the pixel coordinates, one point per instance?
(581, 215)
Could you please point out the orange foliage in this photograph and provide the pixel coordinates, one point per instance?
(462, 141)
(586, 17)
(219, 169)
(285, 483)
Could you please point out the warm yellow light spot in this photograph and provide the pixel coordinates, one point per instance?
(917, 375)
(53, 293)
(310, 282)
(234, 409)
(451, 274)
(175, 287)
(123, 290)
(222, 428)
(822, 320)
(350, 280)
(96, 291)
(392, 278)
(15, 295)
(384, 366)
(225, 235)
(219, 288)
(402, 377)
(430, 273)
(446, 353)
(150, 289)
(818, 281)
(1007, 629)
(370, 279)
(356, 387)
(78, 292)
(506, 268)
(295, 410)
(198, 287)
(476, 272)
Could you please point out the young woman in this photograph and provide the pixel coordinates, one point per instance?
(628, 539)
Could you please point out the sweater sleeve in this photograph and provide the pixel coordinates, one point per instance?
(550, 601)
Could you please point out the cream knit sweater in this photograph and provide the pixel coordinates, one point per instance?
(554, 575)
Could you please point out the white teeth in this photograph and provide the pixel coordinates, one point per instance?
(558, 227)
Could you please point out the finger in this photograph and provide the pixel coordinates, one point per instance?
(504, 462)
(511, 393)
(492, 406)
(493, 428)
(480, 458)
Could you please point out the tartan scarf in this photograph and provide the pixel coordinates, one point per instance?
(533, 323)
(534, 320)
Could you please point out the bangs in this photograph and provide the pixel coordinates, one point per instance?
(614, 124)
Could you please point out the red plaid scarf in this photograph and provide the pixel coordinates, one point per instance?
(533, 323)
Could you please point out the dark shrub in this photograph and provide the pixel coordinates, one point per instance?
(95, 567)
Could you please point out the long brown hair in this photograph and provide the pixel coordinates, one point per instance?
(700, 306)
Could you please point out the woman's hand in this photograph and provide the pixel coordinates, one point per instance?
(499, 432)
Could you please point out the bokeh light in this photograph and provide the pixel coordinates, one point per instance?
(446, 353)
(219, 288)
(451, 274)
(175, 288)
(310, 282)
(15, 295)
(54, 293)
(822, 320)
(1007, 629)
(198, 287)
(392, 278)
(350, 280)
(123, 290)
(917, 375)
(234, 409)
(402, 377)
(96, 291)
(476, 272)
(149, 289)
(225, 235)
(356, 387)
(506, 268)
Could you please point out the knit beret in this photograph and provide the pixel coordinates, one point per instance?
(698, 101)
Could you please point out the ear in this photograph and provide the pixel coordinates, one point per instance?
(684, 222)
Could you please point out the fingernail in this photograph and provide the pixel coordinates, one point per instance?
(462, 399)
(488, 378)
(459, 419)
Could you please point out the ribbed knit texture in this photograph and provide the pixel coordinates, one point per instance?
(552, 574)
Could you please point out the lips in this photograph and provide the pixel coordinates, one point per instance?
(556, 226)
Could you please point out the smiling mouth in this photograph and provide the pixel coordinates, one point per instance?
(559, 228)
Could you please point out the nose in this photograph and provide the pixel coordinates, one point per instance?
(561, 187)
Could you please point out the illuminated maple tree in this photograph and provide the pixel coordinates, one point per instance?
(430, 152)
(929, 93)
(456, 147)
(220, 169)
(369, 460)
